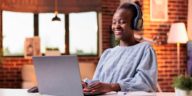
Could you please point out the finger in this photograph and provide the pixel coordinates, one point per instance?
(83, 84)
(94, 84)
(98, 90)
(101, 87)
(96, 87)
(86, 90)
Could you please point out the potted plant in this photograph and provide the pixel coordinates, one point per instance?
(52, 51)
(183, 85)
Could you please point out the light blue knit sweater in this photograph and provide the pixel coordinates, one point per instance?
(133, 67)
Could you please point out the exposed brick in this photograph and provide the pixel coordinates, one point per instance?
(10, 69)
(167, 53)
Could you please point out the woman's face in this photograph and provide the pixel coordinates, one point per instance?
(121, 25)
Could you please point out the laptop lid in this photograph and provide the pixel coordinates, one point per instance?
(58, 75)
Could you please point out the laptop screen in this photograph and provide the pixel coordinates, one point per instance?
(58, 75)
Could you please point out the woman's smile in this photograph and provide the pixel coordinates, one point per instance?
(118, 32)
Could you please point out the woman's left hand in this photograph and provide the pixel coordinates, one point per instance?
(99, 87)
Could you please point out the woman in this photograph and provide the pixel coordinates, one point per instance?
(130, 66)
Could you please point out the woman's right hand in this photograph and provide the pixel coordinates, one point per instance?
(84, 84)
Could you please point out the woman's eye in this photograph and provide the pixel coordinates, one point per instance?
(113, 22)
(122, 22)
(119, 22)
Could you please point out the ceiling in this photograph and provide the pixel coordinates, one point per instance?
(37, 6)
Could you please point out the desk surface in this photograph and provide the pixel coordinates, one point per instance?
(23, 92)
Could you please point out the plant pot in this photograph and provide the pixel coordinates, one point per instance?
(180, 92)
(52, 53)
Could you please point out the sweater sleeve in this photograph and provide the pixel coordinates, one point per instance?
(100, 64)
(145, 78)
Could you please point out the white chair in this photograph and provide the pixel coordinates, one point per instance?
(28, 76)
(87, 69)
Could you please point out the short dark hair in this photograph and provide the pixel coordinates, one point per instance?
(131, 7)
(136, 19)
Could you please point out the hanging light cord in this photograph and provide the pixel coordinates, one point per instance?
(56, 18)
(56, 10)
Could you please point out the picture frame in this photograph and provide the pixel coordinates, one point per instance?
(158, 10)
(32, 47)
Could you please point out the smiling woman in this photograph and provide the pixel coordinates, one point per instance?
(129, 66)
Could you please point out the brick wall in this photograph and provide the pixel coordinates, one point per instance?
(167, 53)
(108, 8)
(10, 70)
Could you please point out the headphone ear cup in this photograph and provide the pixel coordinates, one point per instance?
(139, 24)
(133, 24)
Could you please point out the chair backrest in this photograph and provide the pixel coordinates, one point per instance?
(28, 76)
(87, 69)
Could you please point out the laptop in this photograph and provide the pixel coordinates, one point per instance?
(58, 75)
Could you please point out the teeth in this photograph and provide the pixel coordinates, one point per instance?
(117, 32)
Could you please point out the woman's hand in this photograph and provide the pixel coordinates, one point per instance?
(101, 87)
(84, 84)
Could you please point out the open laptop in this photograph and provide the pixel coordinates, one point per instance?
(58, 75)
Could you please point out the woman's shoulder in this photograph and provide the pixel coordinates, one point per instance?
(106, 51)
(138, 46)
(144, 44)
(109, 50)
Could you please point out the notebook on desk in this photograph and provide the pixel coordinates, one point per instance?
(58, 75)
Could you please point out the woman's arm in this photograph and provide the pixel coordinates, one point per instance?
(145, 78)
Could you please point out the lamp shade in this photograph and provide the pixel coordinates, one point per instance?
(56, 18)
(177, 33)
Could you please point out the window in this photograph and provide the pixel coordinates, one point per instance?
(83, 30)
(79, 35)
(16, 27)
(51, 33)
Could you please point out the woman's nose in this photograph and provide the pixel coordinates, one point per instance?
(117, 25)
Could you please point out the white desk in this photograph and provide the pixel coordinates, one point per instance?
(23, 92)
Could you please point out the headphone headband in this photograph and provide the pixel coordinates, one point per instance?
(137, 23)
